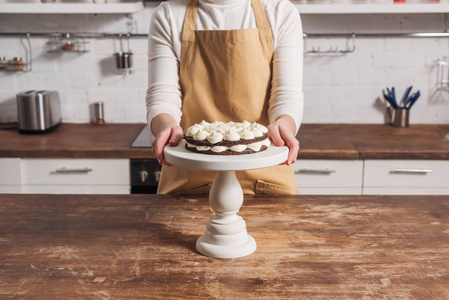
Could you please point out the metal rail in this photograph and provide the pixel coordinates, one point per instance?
(332, 50)
(306, 35)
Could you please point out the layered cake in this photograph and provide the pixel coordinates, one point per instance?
(231, 138)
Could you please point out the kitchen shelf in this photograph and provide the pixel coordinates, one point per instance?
(372, 8)
(71, 8)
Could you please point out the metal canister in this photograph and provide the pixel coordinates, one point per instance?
(3, 62)
(123, 60)
(99, 113)
(399, 117)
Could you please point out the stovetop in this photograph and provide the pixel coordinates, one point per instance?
(143, 139)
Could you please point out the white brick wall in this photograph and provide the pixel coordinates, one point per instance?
(343, 88)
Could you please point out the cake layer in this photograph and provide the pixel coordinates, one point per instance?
(192, 141)
(226, 152)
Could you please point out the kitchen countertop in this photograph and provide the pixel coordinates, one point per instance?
(317, 141)
(142, 246)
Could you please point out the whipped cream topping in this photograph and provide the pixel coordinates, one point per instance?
(218, 131)
(215, 137)
(231, 136)
(200, 135)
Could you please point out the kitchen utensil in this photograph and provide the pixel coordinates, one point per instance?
(405, 97)
(390, 100)
(413, 99)
(38, 111)
(392, 97)
(406, 102)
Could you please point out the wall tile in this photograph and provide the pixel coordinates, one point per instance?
(337, 88)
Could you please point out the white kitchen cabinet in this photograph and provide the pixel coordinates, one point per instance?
(113, 7)
(76, 189)
(77, 176)
(10, 175)
(329, 176)
(411, 177)
(388, 8)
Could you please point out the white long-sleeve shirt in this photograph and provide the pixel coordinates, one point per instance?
(164, 93)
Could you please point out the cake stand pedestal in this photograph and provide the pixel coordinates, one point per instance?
(226, 235)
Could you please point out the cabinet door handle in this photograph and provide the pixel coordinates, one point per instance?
(411, 171)
(315, 171)
(64, 170)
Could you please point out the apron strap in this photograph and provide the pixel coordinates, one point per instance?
(262, 20)
(190, 21)
(192, 10)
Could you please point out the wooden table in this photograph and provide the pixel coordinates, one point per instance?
(142, 246)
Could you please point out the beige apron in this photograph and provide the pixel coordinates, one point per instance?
(225, 75)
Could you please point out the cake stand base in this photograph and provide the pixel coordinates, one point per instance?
(222, 251)
(226, 235)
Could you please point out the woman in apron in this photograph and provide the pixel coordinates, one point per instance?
(231, 74)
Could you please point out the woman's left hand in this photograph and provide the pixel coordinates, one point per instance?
(282, 132)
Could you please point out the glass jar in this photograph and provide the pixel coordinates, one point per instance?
(67, 44)
(16, 64)
(3, 62)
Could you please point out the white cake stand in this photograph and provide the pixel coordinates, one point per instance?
(226, 235)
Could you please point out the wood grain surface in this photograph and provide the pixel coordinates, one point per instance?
(75, 141)
(325, 141)
(142, 247)
(387, 142)
(317, 141)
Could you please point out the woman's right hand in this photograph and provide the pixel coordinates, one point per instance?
(170, 134)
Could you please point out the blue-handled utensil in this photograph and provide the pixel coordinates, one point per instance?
(389, 100)
(392, 98)
(413, 100)
(408, 100)
(393, 95)
(405, 97)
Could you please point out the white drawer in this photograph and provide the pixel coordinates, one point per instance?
(405, 191)
(328, 173)
(10, 171)
(75, 171)
(406, 173)
(10, 189)
(330, 190)
(76, 189)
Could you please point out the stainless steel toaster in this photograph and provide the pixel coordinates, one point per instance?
(39, 111)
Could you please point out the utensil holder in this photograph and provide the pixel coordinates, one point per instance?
(399, 117)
